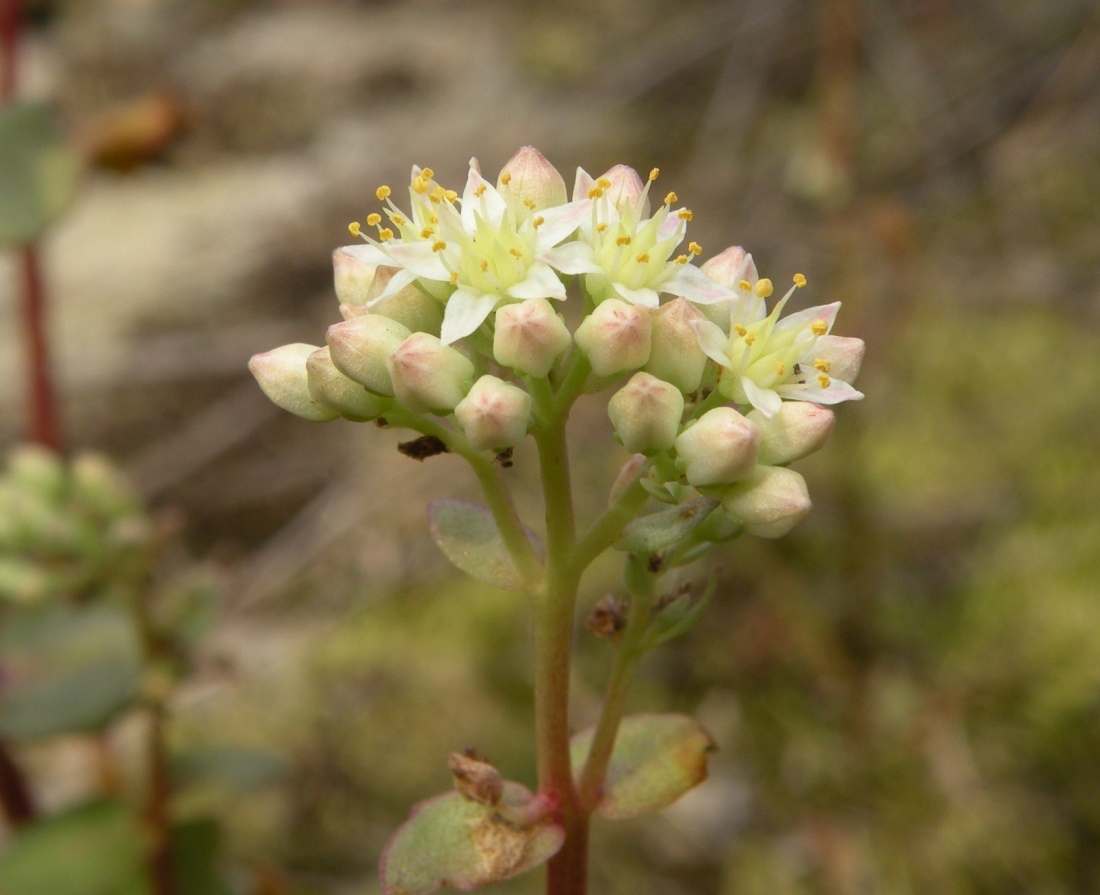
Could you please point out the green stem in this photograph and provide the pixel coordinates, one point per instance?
(607, 529)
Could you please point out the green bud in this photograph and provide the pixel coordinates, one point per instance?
(719, 448)
(281, 374)
(360, 348)
(770, 502)
(616, 337)
(676, 356)
(646, 414)
(494, 415)
(331, 388)
(428, 375)
(529, 337)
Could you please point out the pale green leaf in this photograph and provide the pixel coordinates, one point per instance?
(469, 538)
(664, 528)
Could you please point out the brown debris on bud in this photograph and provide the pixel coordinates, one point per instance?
(475, 779)
(423, 447)
(608, 617)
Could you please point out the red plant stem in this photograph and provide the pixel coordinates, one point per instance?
(157, 807)
(15, 796)
(9, 41)
(42, 405)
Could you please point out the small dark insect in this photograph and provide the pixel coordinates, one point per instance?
(382, 422)
(504, 458)
(423, 447)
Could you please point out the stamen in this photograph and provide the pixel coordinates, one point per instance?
(480, 191)
(654, 173)
(603, 183)
(601, 228)
(383, 193)
(824, 381)
(749, 338)
(515, 253)
(642, 258)
(439, 246)
(821, 365)
(420, 185)
(385, 234)
(763, 288)
(506, 178)
(374, 219)
(744, 285)
(740, 330)
(530, 203)
(427, 173)
(622, 241)
(454, 277)
(450, 195)
(681, 259)
(539, 221)
(799, 280)
(354, 228)
(695, 248)
(670, 198)
(399, 220)
(595, 193)
(484, 265)
(433, 219)
(819, 327)
(434, 197)
(684, 214)
(780, 369)
(426, 233)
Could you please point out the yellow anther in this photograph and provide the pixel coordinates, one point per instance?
(450, 195)
(739, 329)
(353, 227)
(484, 265)
(819, 327)
(799, 280)
(670, 198)
(749, 338)
(426, 233)
(506, 178)
(530, 203)
(420, 185)
(434, 198)
(385, 233)
(653, 173)
(439, 246)
(681, 259)
(603, 183)
(480, 191)
(824, 381)
(821, 365)
(642, 258)
(515, 253)
(595, 193)
(695, 248)
(684, 214)
(374, 219)
(763, 288)
(539, 221)
(433, 219)
(427, 173)
(383, 193)
(780, 368)
(744, 285)
(601, 228)
(622, 241)
(454, 277)
(399, 220)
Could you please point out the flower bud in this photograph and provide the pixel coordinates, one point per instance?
(529, 337)
(331, 388)
(410, 306)
(626, 188)
(352, 278)
(494, 415)
(843, 354)
(428, 375)
(361, 346)
(676, 356)
(798, 429)
(101, 486)
(40, 470)
(769, 503)
(528, 176)
(646, 414)
(719, 448)
(281, 374)
(616, 337)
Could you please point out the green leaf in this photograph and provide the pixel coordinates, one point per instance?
(656, 759)
(657, 491)
(38, 172)
(66, 670)
(196, 849)
(680, 616)
(469, 538)
(665, 527)
(95, 849)
(453, 841)
(235, 767)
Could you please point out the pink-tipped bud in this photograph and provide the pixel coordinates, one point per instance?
(529, 337)
(529, 177)
(675, 355)
(729, 268)
(769, 503)
(798, 429)
(281, 374)
(353, 278)
(616, 337)
(719, 448)
(331, 388)
(646, 414)
(494, 415)
(428, 375)
(361, 346)
(410, 306)
(844, 356)
(626, 189)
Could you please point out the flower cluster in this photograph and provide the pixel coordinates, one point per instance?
(449, 312)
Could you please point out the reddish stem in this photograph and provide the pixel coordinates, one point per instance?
(42, 405)
(9, 41)
(157, 807)
(15, 796)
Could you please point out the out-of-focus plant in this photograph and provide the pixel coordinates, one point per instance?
(90, 635)
(450, 331)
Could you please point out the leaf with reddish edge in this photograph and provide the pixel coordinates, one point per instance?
(468, 536)
(656, 759)
(449, 840)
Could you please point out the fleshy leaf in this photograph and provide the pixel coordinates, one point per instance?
(196, 850)
(38, 172)
(452, 841)
(66, 670)
(657, 758)
(468, 536)
(94, 849)
(657, 491)
(239, 768)
(681, 615)
(665, 527)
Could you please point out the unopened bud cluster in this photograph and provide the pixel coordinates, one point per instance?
(452, 307)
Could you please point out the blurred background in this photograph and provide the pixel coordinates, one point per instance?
(905, 691)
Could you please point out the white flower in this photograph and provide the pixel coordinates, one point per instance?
(629, 254)
(766, 359)
(473, 252)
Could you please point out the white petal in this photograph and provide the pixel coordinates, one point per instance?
(712, 340)
(582, 184)
(669, 225)
(642, 298)
(765, 400)
(834, 393)
(465, 312)
(397, 282)
(367, 253)
(805, 318)
(489, 206)
(696, 286)
(560, 222)
(571, 258)
(417, 257)
(844, 354)
(541, 282)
